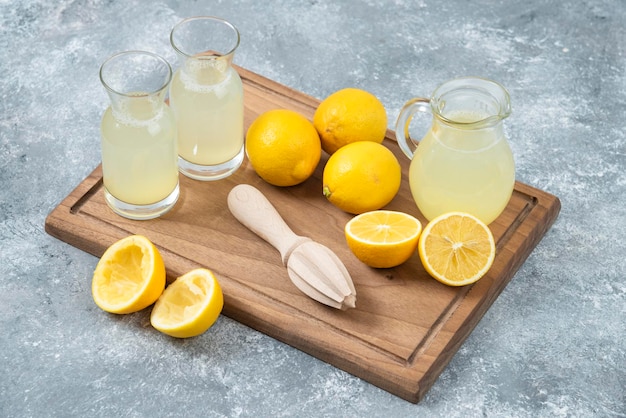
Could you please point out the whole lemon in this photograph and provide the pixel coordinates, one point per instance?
(283, 147)
(361, 177)
(350, 115)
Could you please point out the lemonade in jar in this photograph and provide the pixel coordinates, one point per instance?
(206, 95)
(138, 136)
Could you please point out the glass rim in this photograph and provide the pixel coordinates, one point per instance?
(117, 55)
(205, 18)
(485, 85)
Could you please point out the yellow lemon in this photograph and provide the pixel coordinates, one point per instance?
(189, 306)
(350, 115)
(457, 248)
(129, 276)
(361, 177)
(283, 147)
(383, 238)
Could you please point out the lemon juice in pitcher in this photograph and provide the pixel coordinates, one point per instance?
(464, 162)
(460, 169)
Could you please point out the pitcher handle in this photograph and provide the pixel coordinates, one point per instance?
(410, 108)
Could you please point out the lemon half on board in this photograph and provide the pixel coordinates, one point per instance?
(457, 248)
(189, 305)
(129, 277)
(383, 238)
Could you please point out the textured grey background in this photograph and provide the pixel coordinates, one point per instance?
(551, 345)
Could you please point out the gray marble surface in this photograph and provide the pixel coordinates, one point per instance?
(553, 343)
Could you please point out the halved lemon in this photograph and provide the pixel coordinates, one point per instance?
(457, 248)
(189, 306)
(383, 238)
(129, 277)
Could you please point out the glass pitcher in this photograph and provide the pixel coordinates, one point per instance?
(464, 162)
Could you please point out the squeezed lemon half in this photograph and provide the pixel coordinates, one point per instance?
(189, 305)
(130, 276)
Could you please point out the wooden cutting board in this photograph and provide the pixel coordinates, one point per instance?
(406, 326)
